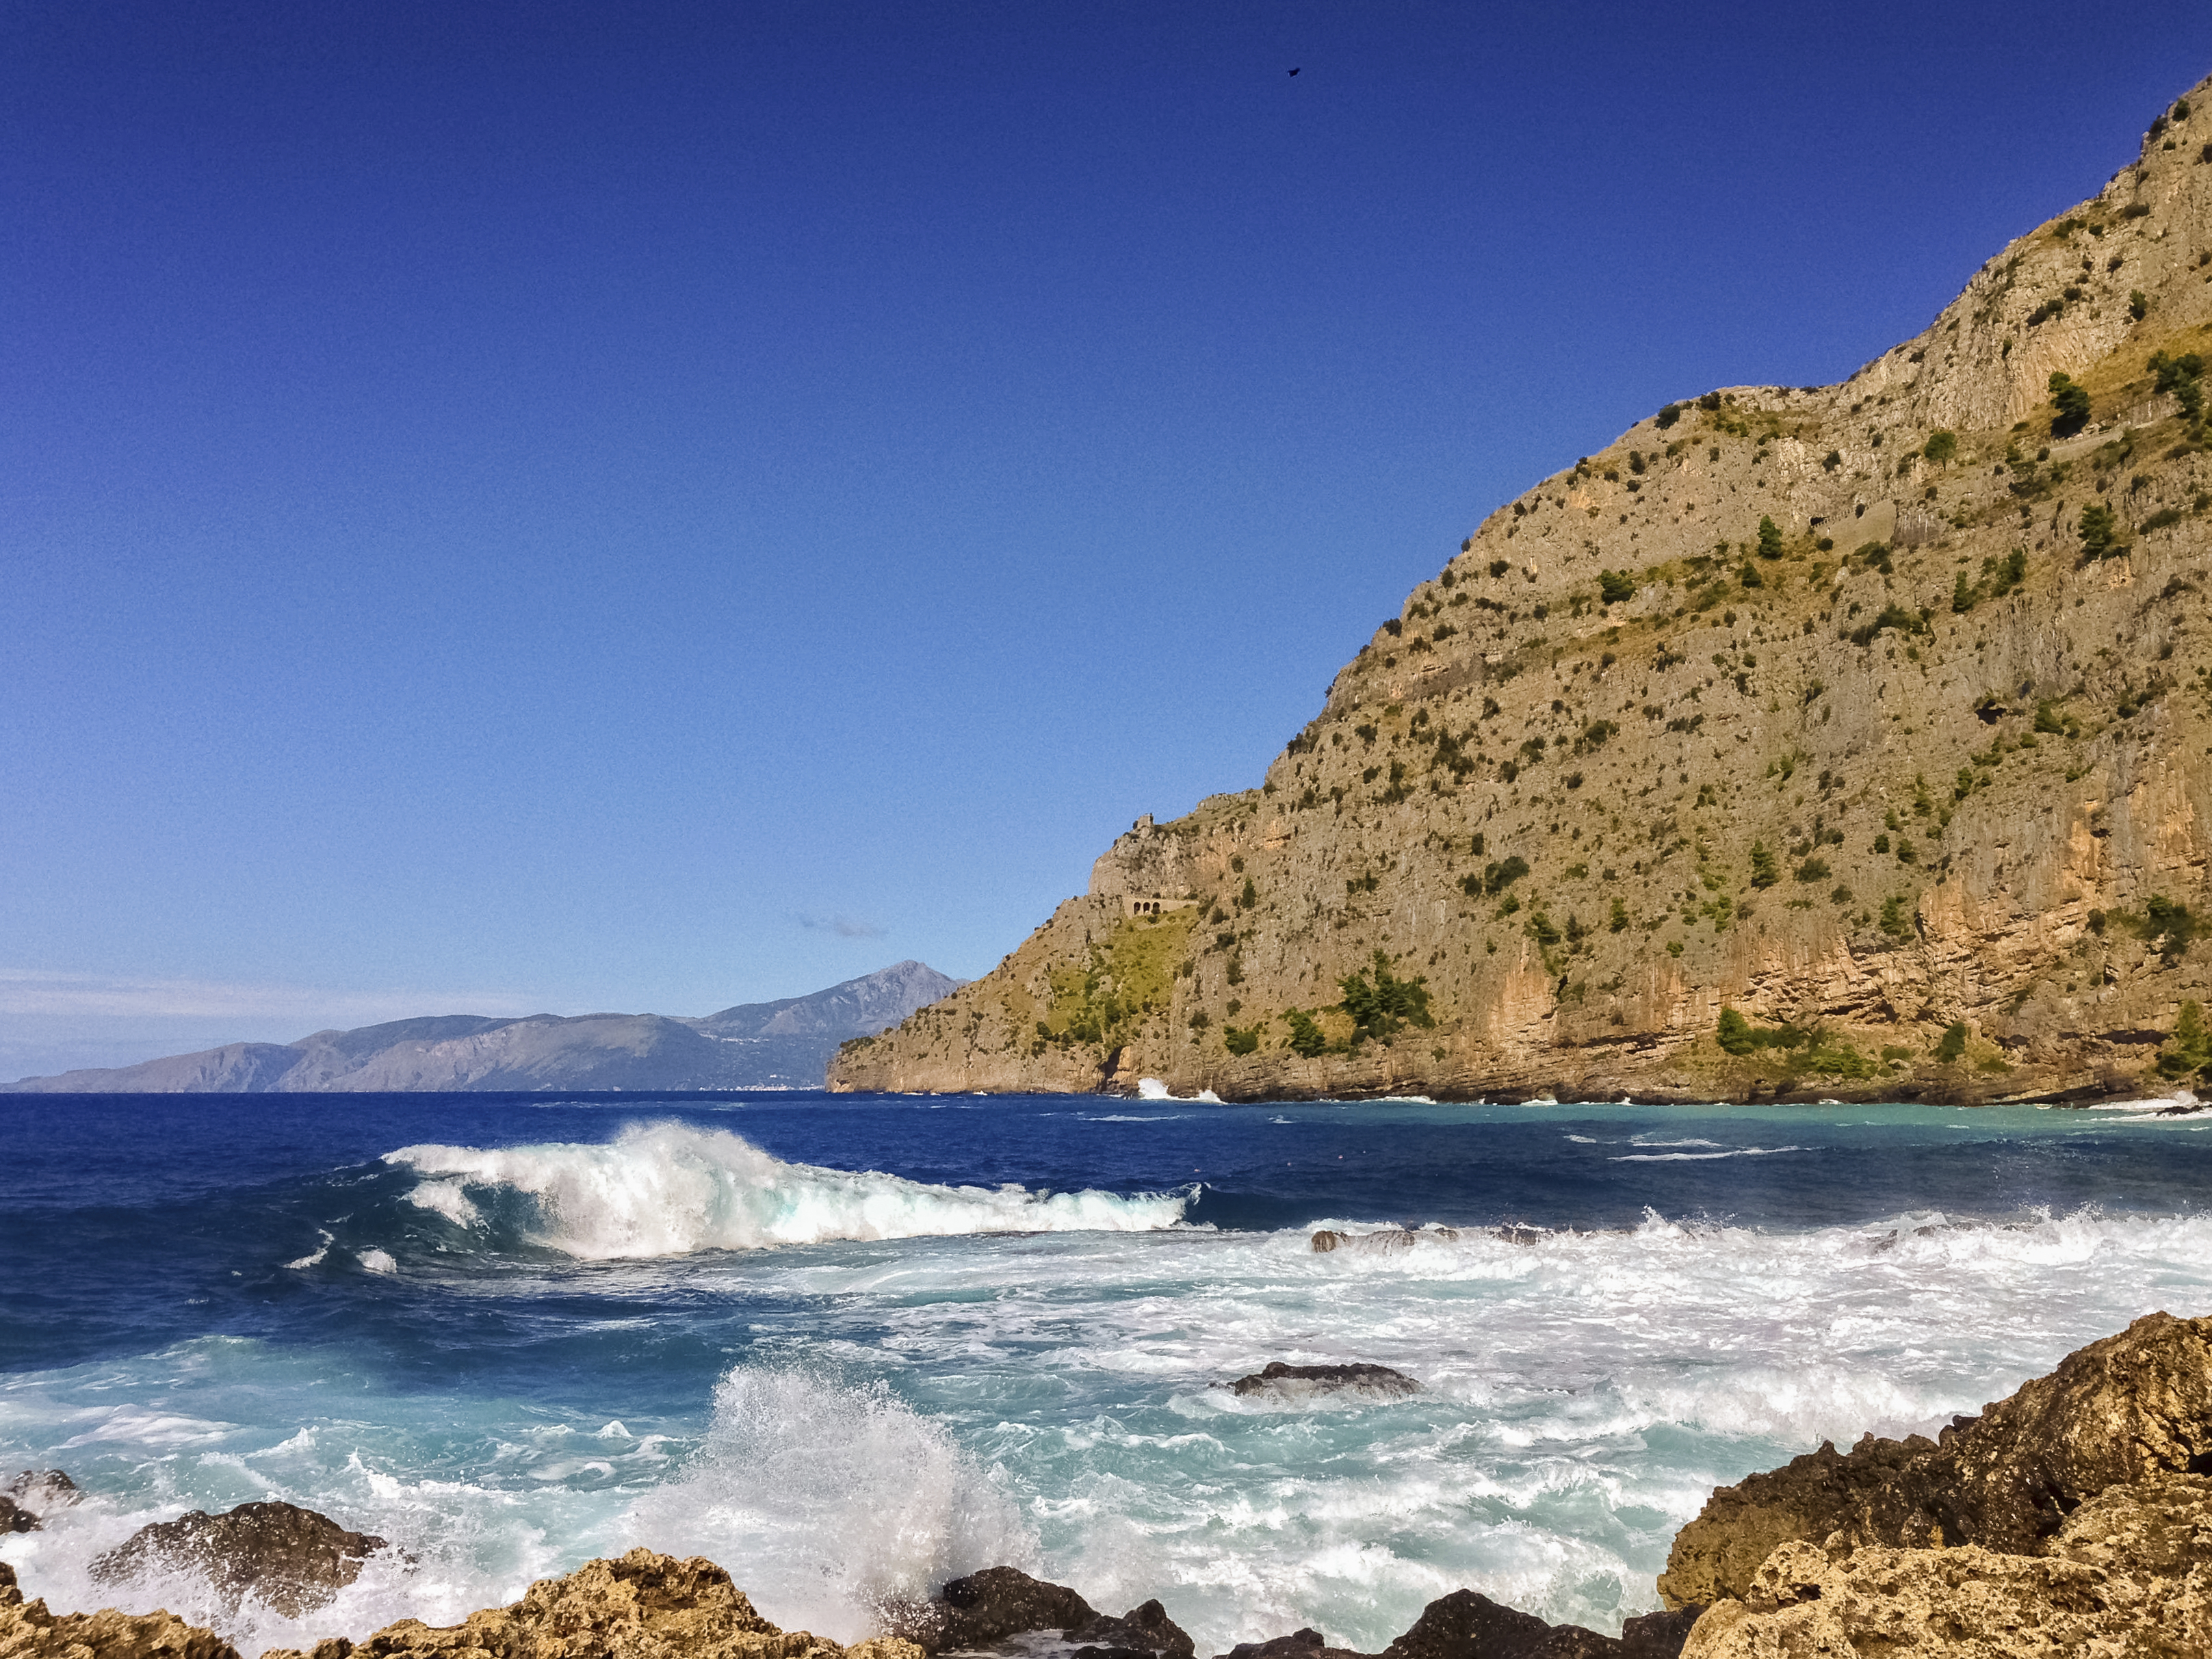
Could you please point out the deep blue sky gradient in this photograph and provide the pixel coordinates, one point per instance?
(657, 506)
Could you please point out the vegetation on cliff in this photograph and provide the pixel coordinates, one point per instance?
(1806, 741)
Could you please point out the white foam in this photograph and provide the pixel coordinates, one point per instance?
(447, 1198)
(1584, 1392)
(838, 1500)
(1700, 1158)
(668, 1189)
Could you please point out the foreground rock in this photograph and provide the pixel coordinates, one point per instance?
(1299, 1384)
(1298, 1645)
(25, 1496)
(643, 1605)
(1905, 1604)
(987, 1607)
(28, 1631)
(2132, 1407)
(1466, 1626)
(291, 1558)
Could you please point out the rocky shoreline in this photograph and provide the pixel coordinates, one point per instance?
(2073, 1516)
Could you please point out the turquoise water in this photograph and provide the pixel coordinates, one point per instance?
(850, 1347)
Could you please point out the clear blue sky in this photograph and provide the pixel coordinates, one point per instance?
(654, 506)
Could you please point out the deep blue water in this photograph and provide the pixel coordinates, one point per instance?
(555, 1327)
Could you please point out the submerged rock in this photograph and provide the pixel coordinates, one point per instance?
(1383, 1242)
(28, 1631)
(41, 1490)
(1298, 1383)
(292, 1558)
(2132, 1407)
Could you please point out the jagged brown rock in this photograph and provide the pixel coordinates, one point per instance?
(988, 1607)
(292, 1558)
(1964, 1604)
(2128, 1408)
(1307, 1643)
(28, 1631)
(1614, 771)
(641, 1606)
(41, 1489)
(1137, 1634)
(1468, 1625)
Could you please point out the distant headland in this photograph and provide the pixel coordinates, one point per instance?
(786, 1044)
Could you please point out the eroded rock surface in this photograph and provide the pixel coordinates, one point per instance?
(1964, 1603)
(1139, 1633)
(1297, 1383)
(1298, 1645)
(988, 1607)
(28, 1631)
(1468, 1625)
(643, 1606)
(290, 1558)
(2131, 1408)
(41, 1490)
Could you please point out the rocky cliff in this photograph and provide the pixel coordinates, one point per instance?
(1840, 741)
(782, 1044)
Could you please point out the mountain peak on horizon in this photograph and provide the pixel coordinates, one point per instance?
(785, 1044)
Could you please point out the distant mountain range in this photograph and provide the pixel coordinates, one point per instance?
(756, 1045)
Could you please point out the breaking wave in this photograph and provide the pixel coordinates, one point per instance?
(840, 1501)
(667, 1190)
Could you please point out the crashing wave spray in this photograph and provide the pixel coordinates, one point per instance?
(666, 1190)
(838, 1501)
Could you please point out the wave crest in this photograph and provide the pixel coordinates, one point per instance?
(667, 1190)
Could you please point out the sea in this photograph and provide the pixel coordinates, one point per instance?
(850, 1347)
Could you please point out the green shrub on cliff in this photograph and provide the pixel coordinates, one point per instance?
(1953, 1048)
(1770, 539)
(2169, 925)
(1738, 1035)
(2070, 404)
(2101, 533)
(1379, 1009)
(1614, 586)
(1497, 877)
(1242, 1041)
(2183, 376)
(2188, 1051)
(1307, 1038)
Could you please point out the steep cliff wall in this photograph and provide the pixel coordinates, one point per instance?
(1841, 711)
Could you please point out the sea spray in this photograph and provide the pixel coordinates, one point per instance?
(840, 1501)
(666, 1189)
(1599, 1342)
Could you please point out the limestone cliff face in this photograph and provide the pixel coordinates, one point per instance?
(1917, 781)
